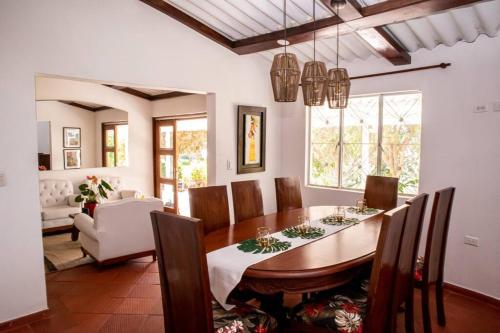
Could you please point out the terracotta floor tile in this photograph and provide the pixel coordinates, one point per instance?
(22, 329)
(150, 278)
(153, 267)
(146, 291)
(123, 324)
(157, 307)
(88, 322)
(129, 276)
(136, 306)
(153, 324)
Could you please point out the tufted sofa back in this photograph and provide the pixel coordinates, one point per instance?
(54, 192)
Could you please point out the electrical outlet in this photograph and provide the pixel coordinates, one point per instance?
(472, 241)
(2, 179)
(480, 108)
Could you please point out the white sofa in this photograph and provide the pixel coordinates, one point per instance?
(57, 200)
(119, 192)
(120, 230)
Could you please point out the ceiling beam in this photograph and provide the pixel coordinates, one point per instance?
(130, 91)
(373, 16)
(378, 38)
(78, 105)
(172, 94)
(191, 22)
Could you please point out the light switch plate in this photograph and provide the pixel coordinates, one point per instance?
(496, 106)
(480, 108)
(228, 165)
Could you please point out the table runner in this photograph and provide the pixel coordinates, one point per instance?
(227, 265)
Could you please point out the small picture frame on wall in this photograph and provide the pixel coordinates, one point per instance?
(72, 158)
(72, 137)
(251, 139)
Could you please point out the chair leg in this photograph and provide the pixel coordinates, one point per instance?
(440, 304)
(154, 256)
(409, 326)
(426, 316)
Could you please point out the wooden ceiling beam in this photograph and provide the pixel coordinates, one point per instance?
(78, 105)
(374, 16)
(378, 38)
(191, 22)
(172, 94)
(130, 91)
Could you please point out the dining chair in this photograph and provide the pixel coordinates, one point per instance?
(366, 305)
(404, 283)
(381, 192)
(210, 205)
(435, 252)
(288, 194)
(247, 200)
(187, 302)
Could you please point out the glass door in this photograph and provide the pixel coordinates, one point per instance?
(165, 164)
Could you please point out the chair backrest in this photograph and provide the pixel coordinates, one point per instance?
(383, 273)
(437, 235)
(288, 194)
(54, 192)
(182, 264)
(403, 284)
(381, 192)
(247, 200)
(125, 222)
(210, 205)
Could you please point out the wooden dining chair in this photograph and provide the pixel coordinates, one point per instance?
(247, 200)
(185, 287)
(210, 205)
(434, 258)
(288, 194)
(364, 306)
(404, 283)
(381, 192)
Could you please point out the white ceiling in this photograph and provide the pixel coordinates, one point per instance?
(238, 19)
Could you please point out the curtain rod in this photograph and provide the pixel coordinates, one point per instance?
(441, 65)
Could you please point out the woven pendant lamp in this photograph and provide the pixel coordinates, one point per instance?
(339, 84)
(285, 72)
(314, 76)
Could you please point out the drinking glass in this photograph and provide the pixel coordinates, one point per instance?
(361, 205)
(263, 238)
(339, 214)
(304, 223)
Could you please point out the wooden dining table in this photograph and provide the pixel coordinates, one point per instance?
(322, 264)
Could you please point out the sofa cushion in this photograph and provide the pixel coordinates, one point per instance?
(59, 212)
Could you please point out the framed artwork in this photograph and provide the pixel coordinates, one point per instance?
(72, 137)
(72, 158)
(251, 139)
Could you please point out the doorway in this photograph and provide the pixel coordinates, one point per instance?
(180, 160)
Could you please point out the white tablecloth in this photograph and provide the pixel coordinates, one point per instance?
(227, 265)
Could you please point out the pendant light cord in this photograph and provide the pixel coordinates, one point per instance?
(338, 43)
(314, 30)
(284, 22)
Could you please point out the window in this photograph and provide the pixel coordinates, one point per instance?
(375, 135)
(114, 144)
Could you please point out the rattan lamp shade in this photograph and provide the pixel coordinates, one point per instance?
(314, 83)
(285, 76)
(338, 89)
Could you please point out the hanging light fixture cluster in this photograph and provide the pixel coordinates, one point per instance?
(316, 82)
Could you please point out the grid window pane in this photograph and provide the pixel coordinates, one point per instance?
(325, 140)
(167, 166)
(358, 161)
(167, 195)
(166, 137)
(122, 149)
(110, 159)
(361, 120)
(110, 138)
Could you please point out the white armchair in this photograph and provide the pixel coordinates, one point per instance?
(58, 202)
(120, 230)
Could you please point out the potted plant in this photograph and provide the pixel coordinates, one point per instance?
(92, 192)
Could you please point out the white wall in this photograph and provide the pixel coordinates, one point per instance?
(43, 133)
(180, 105)
(116, 41)
(62, 115)
(137, 175)
(459, 148)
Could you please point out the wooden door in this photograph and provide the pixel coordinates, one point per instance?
(165, 163)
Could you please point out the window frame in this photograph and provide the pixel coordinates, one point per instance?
(104, 147)
(341, 142)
